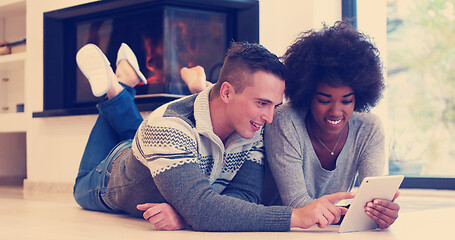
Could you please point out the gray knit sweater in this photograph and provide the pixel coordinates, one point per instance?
(214, 187)
(299, 176)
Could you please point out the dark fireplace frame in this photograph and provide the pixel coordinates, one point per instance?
(59, 63)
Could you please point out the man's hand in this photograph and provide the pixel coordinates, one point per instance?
(383, 212)
(163, 216)
(321, 211)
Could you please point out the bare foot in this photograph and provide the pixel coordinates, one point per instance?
(194, 78)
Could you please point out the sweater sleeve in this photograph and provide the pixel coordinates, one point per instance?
(283, 151)
(189, 192)
(170, 152)
(372, 157)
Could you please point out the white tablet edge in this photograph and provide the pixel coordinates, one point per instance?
(383, 187)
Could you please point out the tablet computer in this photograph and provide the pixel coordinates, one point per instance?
(383, 187)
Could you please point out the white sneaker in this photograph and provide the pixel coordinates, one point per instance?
(94, 65)
(125, 52)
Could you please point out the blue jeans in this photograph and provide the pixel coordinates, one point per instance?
(113, 131)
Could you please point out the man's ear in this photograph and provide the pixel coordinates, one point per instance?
(226, 92)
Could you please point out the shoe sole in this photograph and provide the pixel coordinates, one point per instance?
(94, 65)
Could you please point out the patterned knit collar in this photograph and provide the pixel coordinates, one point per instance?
(202, 111)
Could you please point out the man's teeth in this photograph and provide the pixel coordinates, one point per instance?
(334, 122)
(256, 125)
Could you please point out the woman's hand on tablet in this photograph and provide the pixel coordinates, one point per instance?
(383, 212)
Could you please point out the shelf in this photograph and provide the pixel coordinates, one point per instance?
(7, 61)
(12, 122)
(14, 57)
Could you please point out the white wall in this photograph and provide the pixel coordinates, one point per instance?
(55, 144)
(281, 21)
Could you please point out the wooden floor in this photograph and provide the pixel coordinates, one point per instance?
(30, 219)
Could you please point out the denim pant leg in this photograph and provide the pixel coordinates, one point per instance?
(118, 121)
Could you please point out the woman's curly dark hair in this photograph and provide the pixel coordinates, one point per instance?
(338, 56)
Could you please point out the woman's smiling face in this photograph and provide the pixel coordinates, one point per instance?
(331, 108)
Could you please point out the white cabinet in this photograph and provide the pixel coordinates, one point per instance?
(12, 66)
(13, 119)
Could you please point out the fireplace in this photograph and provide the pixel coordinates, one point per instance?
(165, 35)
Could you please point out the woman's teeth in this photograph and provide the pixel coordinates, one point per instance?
(334, 122)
